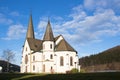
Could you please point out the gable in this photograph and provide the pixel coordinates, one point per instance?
(63, 45)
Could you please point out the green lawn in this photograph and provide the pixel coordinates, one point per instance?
(78, 76)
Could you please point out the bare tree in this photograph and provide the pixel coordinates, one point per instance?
(8, 55)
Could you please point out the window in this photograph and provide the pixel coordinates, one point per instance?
(50, 46)
(26, 59)
(61, 61)
(33, 67)
(71, 61)
(26, 69)
(26, 49)
(51, 56)
(33, 58)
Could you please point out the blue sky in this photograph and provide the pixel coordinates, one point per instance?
(90, 26)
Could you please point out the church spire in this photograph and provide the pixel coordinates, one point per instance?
(48, 36)
(30, 31)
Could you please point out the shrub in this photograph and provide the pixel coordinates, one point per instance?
(82, 71)
(74, 70)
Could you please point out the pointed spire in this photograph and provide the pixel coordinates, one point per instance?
(30, 31)
(48, 36)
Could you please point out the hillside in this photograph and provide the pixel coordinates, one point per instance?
(12, 68)
(106, 60)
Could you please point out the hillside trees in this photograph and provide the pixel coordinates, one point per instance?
(106, 57)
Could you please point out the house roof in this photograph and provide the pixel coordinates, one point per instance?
(30, 31)
(64, 46)
(35, 44)
(48, 36)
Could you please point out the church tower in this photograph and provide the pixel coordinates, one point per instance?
(26, 53)
(48, 41)
(48, 49)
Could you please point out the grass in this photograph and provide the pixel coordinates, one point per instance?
(78, 76)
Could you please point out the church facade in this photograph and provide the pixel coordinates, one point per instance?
(49, 55)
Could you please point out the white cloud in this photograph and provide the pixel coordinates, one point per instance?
(106, 4)
(93, 28)
(4, 20)
(82, 28)
(42, 24)
(15, 32)
(14, 13)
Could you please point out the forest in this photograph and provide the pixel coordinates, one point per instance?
(108, 56)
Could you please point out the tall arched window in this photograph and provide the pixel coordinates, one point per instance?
(71, 61)
(26, 59)
(61, 61)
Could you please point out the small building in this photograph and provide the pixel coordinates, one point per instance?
(49, 55)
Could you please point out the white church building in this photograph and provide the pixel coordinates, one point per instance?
(49, 55)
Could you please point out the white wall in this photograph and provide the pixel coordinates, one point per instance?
(43, 58)
(66, 55)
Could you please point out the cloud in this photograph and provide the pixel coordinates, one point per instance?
(4, 20)
(82, 28)
(94, 28)
(15, 32)
(106, 4)
(14, 13)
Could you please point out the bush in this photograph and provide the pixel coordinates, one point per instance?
(74, 70)
(82, 71)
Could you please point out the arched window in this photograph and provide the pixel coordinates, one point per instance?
(33, 67)
(61, 61)
(26, 59)
(51, 56)
(71, 61)
(50, 46)
(33, 58)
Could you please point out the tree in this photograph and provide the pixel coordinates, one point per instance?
(8, 55)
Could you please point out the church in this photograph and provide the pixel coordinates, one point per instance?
(49, 55)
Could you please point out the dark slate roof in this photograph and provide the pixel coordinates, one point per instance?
(30, 31)
(48, 36)
(64, 46)
(35, 44)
